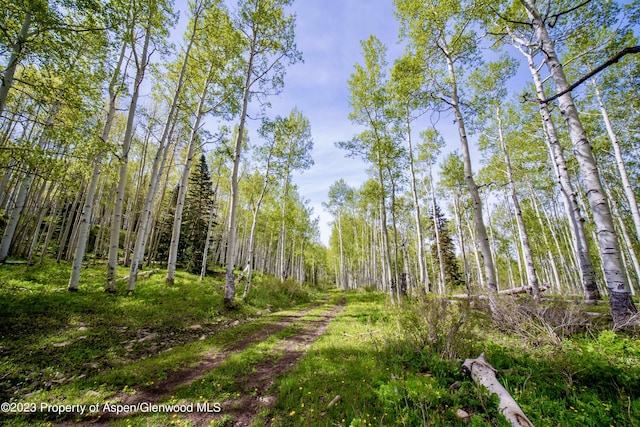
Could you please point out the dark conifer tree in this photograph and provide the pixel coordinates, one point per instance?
(453, 276)
(198, 205)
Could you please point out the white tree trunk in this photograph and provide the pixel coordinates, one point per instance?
(87, 209)
(423, 277)
(25, 186)
(143, 228)
(145, 217)
(580, 241)
(283, 268)
(16, 51)
(624, 176)
(182, 191)
(432, 191)
(254, 223)
(622, 306)
(482, 237)
(83, 231)
(627, 240)
(532, 277)
(232, 229)
(116, 219)
(483, 373)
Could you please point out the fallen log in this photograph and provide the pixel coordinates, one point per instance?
(513, 291)
(15, 262)
(521, 290)
(144, 273)
(483, 373)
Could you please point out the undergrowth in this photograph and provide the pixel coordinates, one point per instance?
(377, 364)
(401, 366)
(50, 337)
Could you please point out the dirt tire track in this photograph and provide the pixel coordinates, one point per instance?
(211, 361)
(245, 408)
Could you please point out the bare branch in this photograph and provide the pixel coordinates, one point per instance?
(554, 18)
(613, 60)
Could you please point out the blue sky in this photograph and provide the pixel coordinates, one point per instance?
(328, 33)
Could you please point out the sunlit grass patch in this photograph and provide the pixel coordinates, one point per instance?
(52, 339)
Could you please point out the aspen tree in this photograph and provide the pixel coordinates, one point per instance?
(268, 38)
(622, 306)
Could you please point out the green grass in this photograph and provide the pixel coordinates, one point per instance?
(83, 347)
(401, 367)
(390, 366)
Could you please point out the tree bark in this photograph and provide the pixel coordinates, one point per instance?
(532, 277)
(254, 223)
(422, 268)
(483, 373)
(182, 192)
(232, 230)
(624, 176)
(116, 220)
(16, 51)
(25, 186)
(580, 241)
(432, 191)
(145, 216)
(482, 237)
(622, 306)
(87, 209)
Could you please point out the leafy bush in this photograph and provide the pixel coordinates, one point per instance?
(436, 323)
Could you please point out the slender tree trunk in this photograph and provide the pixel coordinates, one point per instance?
(4, 184)
(422, 268)
(68, 222)
(282, 271)
(132, 206)
(116, 220)
(14, 59)
(230, 287)
(83, 231)
(622, 306)
(254, 224)
(212, 217)
(396, 263)
(343, 270)
(153, 243)
(145, 216)
(547, 245)
(163, 149)
(465, 263)
(580, 241)
(627, 240)
(87, 209)
(385, 250)
(483, 238)
(182, 192)
(25, 186)
(532, 277)
(622, 169)
(36, 234)
(436, 229)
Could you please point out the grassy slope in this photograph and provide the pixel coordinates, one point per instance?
(389, 366)
(402, 367)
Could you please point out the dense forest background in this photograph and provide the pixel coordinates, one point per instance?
(546, 199)
(157, 246)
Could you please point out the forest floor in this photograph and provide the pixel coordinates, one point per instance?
(252, 390)
(297, 356)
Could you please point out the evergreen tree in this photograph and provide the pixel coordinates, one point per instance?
(164, 228)
(452, 274)
(198, 205)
